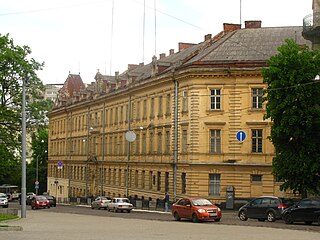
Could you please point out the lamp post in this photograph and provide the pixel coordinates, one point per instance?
(23, 173)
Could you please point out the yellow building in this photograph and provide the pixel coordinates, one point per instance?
(194, 119)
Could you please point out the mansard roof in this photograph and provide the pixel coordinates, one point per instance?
(72, 84)
(253, 44)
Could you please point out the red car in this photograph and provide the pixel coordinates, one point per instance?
(39, 202)
(196, 209)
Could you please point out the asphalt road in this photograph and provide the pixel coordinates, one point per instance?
(228, 217)
(50, 224)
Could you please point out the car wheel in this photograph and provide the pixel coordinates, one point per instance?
(271, 216)
(217, 220)
(92, 207)
(129, 211)
(308, 222)
(243, 216)
(48, 206)
(32, 207)
(108, 209)
(176, 216)
(195, 218)
(288, 219)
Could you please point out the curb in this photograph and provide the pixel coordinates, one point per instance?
(10, 228)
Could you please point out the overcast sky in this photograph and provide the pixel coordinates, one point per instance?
(77, 35)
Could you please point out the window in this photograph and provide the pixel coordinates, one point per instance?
(215, 99)
(159, 142)
(137, 144)
(214, 184)
(160, 113)
(256, 178)
(183, 183)
(184, 101)
(136, 177)
(143, 175)
(121, 114)
(138, 110)
(184, 141)
(257, 98)
(256, 140)
(110, 119)
(116, 115)
(144, 109)
(119, 177)
(166, 183)
(167, 141)
(150, 180)
(215, 141)
(132, 112)
(144, 144)
(151, 143)
(159, 181)
(168, 104)
(152, 107)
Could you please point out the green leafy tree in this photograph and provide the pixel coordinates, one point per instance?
(292, 100)
(38, 165)
(16, 65)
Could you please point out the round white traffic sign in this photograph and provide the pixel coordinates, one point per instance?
(130, 136)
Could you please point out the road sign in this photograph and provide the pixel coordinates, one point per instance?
(130, 136)
(241, 136)
(60, 165)
(36, 182)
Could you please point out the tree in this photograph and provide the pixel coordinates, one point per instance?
(16, 65)
(38, 165)
(292, 101)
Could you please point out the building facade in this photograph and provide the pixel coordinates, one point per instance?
(190, 123)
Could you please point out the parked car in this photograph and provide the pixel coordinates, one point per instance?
(52, 200)
(100, 202)
(196, 209)
(39, 202)
(264, 208)
(4, 201)
(120, 204)
(307, 211)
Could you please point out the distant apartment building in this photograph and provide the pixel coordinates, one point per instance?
(189, 123)
(51, 91)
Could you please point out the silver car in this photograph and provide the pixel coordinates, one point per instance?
(100, 202)
(120, 205)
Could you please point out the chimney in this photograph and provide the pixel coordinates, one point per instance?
(229, 27)
(207, 37)
(171, 51)
(185, 45)
(252, 24)
(162, 55)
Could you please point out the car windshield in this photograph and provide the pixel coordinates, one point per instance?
(3, 197)
(201, 202)
(41, 198)
(49, 197)
(124, 200)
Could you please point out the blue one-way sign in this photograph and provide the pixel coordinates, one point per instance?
(241, 135)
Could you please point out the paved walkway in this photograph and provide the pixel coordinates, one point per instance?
(43, 225)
